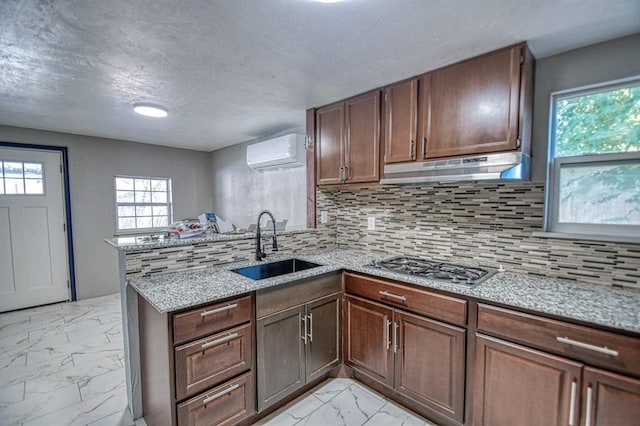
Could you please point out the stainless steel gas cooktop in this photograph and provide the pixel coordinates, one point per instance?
(434, 269)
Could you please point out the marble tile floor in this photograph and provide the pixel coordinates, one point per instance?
(62, 364)
(343, 402)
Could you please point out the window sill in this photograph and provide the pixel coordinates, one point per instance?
(587, 237)
(139, 232)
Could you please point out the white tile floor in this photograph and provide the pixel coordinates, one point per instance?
(343, 402)
(61, 365)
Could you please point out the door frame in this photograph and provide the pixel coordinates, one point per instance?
(67, 201)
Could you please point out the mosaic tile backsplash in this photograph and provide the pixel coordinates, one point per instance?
(148, 262)
(489, 224)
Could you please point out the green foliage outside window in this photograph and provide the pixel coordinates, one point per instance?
(598, 123)
(604, 122)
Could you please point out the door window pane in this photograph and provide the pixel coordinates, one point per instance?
(33, 187)
(14, 186)
(18, 178)
(33, 170)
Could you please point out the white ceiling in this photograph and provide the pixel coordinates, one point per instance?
(235, 70)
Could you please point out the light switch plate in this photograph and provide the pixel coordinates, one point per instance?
(323, 216)
(371, 223)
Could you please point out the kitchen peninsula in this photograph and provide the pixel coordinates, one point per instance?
(178, 277)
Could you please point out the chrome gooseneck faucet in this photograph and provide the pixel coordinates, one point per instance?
(260, 254)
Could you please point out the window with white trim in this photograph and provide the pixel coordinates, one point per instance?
(593, 179)
(142, 203)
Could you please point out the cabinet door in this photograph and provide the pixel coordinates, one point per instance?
(430, 363)
(474, 105)
(324, 336)
(280, 355)
(609, 399)
(515, 385)
(368, 338)
(401, 113)
(329, 144)
(362, 156)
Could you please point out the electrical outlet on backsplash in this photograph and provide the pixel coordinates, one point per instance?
(488, 223)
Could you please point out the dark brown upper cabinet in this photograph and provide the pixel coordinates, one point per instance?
(348, 141)
(401, 115)
(472, 107)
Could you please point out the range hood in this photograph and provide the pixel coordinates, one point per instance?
(501, 166)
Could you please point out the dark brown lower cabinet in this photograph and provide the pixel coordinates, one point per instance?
(296, 346)
(420, 358)
(430, 363)
(609, 399)
(368, 338)
(280, 355)
(515, 385)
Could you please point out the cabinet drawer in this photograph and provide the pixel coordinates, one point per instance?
(206, 362)
(596, 347)
(224, 405)
(435, 305)
(210, 319)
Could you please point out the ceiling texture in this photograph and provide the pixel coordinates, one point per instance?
(234, 70)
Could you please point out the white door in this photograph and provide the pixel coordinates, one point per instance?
(33, 245)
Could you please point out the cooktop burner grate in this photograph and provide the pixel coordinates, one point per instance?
(433, 269)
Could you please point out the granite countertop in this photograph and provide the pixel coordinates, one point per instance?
(145, 242)
(603, 305)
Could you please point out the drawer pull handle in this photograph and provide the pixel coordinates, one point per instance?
(602, 350)
(219, 394)
(218, 310)
(587, 415)
(310, 327)
(219, 341)
(393, 296)
(572, 404)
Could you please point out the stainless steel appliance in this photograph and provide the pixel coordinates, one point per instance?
(434, 269)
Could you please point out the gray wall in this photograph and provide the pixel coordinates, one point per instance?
(240, 192)
(594, 64)
(93, 162)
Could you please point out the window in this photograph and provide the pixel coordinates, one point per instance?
(142, 203)
(21, 178)
(593, 183)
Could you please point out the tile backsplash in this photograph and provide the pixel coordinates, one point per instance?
(490, 224)
(148, 262)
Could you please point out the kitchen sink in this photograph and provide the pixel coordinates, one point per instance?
(274, 269)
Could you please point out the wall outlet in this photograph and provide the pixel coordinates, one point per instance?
(371, 223)
(323, 216)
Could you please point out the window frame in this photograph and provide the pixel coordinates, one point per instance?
(168, 204)
(594, 231)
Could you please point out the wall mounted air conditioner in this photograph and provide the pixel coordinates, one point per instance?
(283, 151)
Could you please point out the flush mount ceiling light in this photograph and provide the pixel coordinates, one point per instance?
(150, 110)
